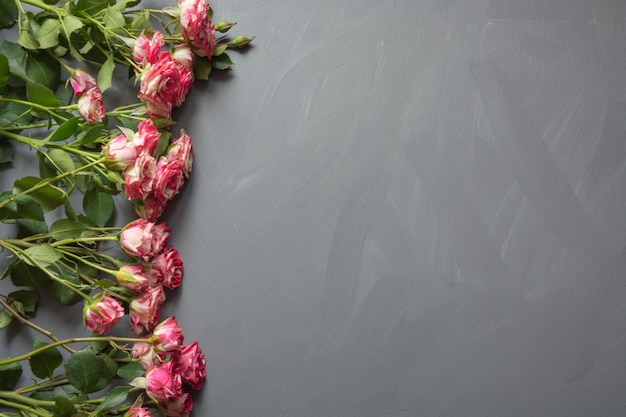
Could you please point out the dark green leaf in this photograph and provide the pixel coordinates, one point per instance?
(9, 13)
(16, 58)
(11, 113)
(6, 151)
(202, 69)
(26, 300)
(9, 375)
(40, 94)
(93, 134)
(28, 228)
(4, 69)
(222, 62)
(61, 292)
(65, 406)
(61, 161)
(109, 369)
(70, 213)
(114, 398)
(64, 94)
(64, 131)
(98, 206)
(22, 207)
(83, 370)
(131, 371)
(66, 229)
(44, 364)
(48, 196)
(28, 276)
(105, 75)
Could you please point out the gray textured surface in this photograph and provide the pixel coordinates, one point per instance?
(410, 208)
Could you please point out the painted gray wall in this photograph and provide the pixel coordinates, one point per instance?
(410, 208)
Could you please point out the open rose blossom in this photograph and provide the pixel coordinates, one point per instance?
(102, 313)
(189, 362)
(145, 310)
(139, 179)
(169, 337)
(144, 239)
(119, 153)
(182, 150)
(164, 85)
(149, 209)
(162, 384)
(144, 353)
(138, 412)
(82, 81)
(196, 27)
(169, 178)
(177, 407)
(91, 106)
(167, 268)
(147, 137)
(147, 48)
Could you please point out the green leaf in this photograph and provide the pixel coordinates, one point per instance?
(61, 161)
(9, 14)
(219, 50)
(104, 283)
(25, 301)
(48, 196)
(105, 75)
(64, 94)
(22, 207)
(4, 69)
(40, 94)
(64, 131)
(131, 371)
(83, 370)
(6, 151)
(202, 69)
(71, 24)
(93, 134)
(29, 227)
(9, 375)
(16, 58)
(114, 20)
(222, 62)
(44, 364)
(62, 293)
(70, 213)
(45, 170)
(27, 40)
(11, 113)
(109, 369)
(65, 406)
(43, 255)
(28, 276)
(98, 206)
(48, 34)
(114, 398)
(5, 318)
(66, 229)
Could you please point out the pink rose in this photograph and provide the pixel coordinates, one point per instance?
(169, 336)
(183, 54)
(150, 208)
(196, 27)
(91, 106)
(144, 353)
(169, 179)
(101, 314)
(167, 268)
(119, 153)
(147, 137)
(147, 49)
(182, 150)
(133, 277)
(144, 239)
(82, 81)
(178, 407)
(138, 412)
(139, 179)
(165, 85)
(189, 363)
(162, 384)
(145, 310)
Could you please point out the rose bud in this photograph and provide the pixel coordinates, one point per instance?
(167, 336)
(102, 313)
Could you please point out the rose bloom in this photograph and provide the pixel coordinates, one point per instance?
(138, 412)
(169, 337)
(91, 106)
(148, 48)
(183, 54)
(133, 277)
(182, 150)
(147, 137)
(82, 81)
(162, 384)
(150, 209)
(139, 179)
(165, 85)
(144, 353)
(167, 268)
(196, 27)
(102, 314)
(177, 407)
(119, 153)
(189, 363)
(169, 179)
(145, 310)
(144, 239)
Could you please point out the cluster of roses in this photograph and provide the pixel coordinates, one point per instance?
(149, 181)
(159, 266)
(172, 370)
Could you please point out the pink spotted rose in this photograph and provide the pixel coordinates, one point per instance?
(196, 27)
(144, 239)
(162, 384)
(102, 313)
(91, 106)
(167, 268)
(189, 363)
(168, 336)
(147, 48)
(178, 407)
(145, 309)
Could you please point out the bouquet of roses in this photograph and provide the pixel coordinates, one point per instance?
(53, 84)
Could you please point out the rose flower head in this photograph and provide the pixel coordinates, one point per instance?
(102, 313)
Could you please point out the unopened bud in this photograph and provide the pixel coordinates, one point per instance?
(241, 41)
(223, 26)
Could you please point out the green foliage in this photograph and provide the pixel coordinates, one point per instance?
(98, 206)
(23, 275)
(83, 370)
(9, 375)
(43, 364)
(131, 371)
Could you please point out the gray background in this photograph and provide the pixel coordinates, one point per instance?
(410, 208)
